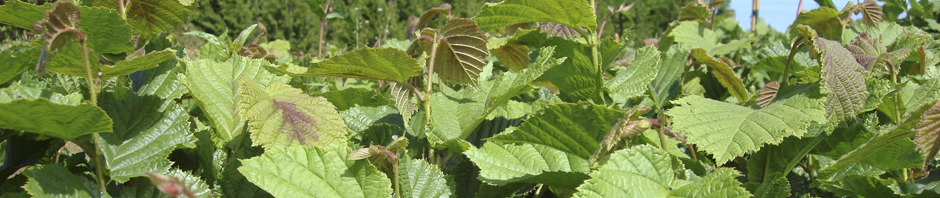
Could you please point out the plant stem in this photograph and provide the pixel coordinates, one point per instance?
(93, 90)
(429, 83)
(397, 183)
(323, 21)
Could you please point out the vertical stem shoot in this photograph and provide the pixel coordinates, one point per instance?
(93, 91)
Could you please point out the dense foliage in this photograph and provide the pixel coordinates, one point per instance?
(523, 98)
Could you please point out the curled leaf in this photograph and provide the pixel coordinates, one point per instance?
(928, 133)
(871, 12)
(626, 127)
(59, 25)
(768, 93)
(429, 14)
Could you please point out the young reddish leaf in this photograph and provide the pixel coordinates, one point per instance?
(429, 14)
(767, 94)
(843, 78)
(461, 53)
(928, 133)
(871, 12)
(558, 30)
(59, 25)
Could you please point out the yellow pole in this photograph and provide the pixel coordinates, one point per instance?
(755, 5)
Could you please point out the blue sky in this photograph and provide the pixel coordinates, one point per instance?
(777, 13)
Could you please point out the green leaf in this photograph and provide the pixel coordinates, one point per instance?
(17, 91)
(452, 117)
(844, 140)
(420, 179)
(721, 183)
(722, 70)
(636, 78)
(512, 56)
(107, 32)
(860, 186)
(146, 130)
(214, 86)
(730, 130)
(884, 138)
(843, 79)
(315, 172)
(824, 20)
(141, 189)
(126, 67)
(767, 167)
(694, 35)
(17, 59)
(361, 118)
(641, 171)
(576, 78)
(925, 93)
(56, 181)
(161, 81)
(666, 84)
(571, 128)
(149, 17)
(346, 98)
(502, 164)
(284, 115)
(21, 15)
(928, 133)
(571, 13)
(44, 117)
(370, 63)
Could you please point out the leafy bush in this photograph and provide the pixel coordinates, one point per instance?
(479, 106)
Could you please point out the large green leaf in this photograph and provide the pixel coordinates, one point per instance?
(146, 129)
(641, 171)
(502, 164)
(56, 120)
(371, 63)
(571, 128)
(143, 188)
(420, 179)
(56, 181)
(315, 172)
(346, 98)
(468, 108)
(149, 17)
(843, 79)
(860, 186)
(843, 140)
(126, 67)
(635, 79)
(106, 32)
(571, 13)
(284, 115)
(666, 84)
(461, 52)
(824, 20)
(884, 138)
(646, 171)
(693, 34)
(16, 60)
(161, 81)
(214, 85)
(721, 183)
(730, 130)
(721, 68)
(767, 167)
(576, 78)
(20, 14)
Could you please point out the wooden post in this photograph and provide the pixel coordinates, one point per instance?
(755, 5)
